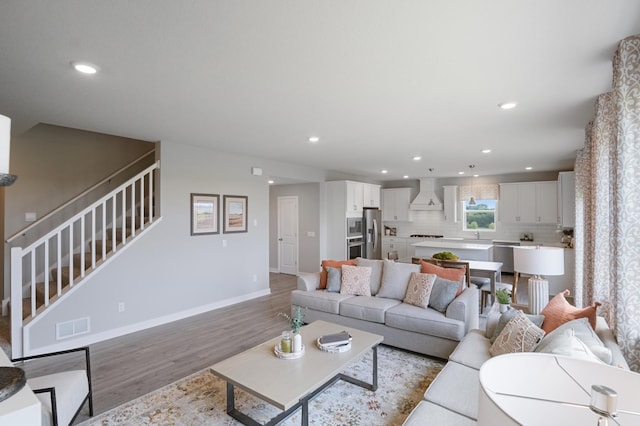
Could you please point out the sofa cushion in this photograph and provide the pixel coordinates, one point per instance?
(519, 335)
(443, 293)
(456, 387)
(320, 300)
(333, 264)
(376, 266)
(453, 274)
(473, 351)
(508, 316)
(428, 413)
(334, 279)
(355, 280)
(367, 308)
(581, 330)
(395, 278)
(425, 321)
(566, 343)
(419, 289)
(559, 311)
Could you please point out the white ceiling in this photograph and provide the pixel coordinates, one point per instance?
(377, 81)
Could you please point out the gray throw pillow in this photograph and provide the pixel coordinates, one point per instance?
(376, 272)
(443, 293)
(334, 279)
(395, 279)
(507, 316)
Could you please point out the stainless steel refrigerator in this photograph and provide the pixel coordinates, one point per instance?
(372, 226)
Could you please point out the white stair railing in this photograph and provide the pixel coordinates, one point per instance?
(110, 223)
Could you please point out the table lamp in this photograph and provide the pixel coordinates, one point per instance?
(538, 261)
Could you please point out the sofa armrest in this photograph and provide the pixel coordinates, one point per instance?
(606, 335)
(465, 308)
(308, 281)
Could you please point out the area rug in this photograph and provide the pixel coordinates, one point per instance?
(200, 399)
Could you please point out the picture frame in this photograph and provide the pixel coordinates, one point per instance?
(236, 214)
(205, 214)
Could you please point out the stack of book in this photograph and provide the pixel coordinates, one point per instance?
(338, 342)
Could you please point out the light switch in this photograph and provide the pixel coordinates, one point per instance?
(311, 234)
(30, 217)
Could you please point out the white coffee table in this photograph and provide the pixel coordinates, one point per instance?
(290, 383)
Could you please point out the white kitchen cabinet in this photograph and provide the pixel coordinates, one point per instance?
(398, 244)
(395, 204)
(567, 199)
(530, 202)
(355, 197)
(371, 196)
(451, 204)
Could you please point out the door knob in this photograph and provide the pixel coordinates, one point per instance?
(279, 239)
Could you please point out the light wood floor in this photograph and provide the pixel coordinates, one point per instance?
(130, 366)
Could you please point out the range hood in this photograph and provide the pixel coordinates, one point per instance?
(426, 198)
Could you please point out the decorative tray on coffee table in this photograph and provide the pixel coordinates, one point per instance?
(287, 355)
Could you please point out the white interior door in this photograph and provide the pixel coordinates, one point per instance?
(288, 235)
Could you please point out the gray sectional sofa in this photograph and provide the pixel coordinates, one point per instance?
(427, 331)
(452, 398)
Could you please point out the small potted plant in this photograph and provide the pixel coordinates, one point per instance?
(295, 322)
(504, 298)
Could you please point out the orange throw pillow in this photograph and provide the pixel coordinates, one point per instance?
(559, 311)
(452, 274)
(332, 264)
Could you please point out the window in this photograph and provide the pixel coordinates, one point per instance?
(479, 215)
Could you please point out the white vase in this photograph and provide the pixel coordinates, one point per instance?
(297, 342)
(503, 307)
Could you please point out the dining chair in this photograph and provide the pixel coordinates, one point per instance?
(393, 255)
(63, 394)
(485, 290)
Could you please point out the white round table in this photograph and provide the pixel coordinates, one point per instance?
(544, 389)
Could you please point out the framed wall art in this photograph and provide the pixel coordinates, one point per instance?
(235, 213)
(205, 214)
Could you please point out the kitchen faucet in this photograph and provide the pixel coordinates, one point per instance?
(477, 235)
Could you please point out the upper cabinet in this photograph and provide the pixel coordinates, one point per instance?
(531, 202)
(451, 204)
(371, 196)
(354, 196)
(395, 204)
(567, 199)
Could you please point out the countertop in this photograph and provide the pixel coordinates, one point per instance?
(453, 245)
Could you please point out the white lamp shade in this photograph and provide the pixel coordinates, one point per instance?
(5, 138)
(538, 260)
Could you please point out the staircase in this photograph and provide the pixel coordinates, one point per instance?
(47, 271)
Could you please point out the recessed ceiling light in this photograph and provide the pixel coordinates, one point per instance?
(271, 181)
(508, 105)
(84, 67)
(486, 151)
(405, 177)
(417, 158)
(460, 173)
(528, 168)
(476, 175)
(384, 172)
(314, 139)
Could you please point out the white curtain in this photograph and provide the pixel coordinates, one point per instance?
(607, 209)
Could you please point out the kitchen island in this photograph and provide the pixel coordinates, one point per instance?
(465, 251)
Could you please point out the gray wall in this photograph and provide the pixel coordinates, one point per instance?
(168, 274)
(308, 221)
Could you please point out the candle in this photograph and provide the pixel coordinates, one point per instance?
(285, 343)
(5, 137)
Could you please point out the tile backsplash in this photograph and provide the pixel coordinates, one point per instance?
(432, 222)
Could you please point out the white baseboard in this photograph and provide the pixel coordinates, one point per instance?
(275, 270)
(86, 340)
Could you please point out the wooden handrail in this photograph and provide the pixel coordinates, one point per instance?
(24, 230)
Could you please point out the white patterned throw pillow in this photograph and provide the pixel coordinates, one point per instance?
(419, 289)
(355, 280)
(519, 335)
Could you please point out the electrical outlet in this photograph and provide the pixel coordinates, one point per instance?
(255, 278)
(121, 307)
(224, 243)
